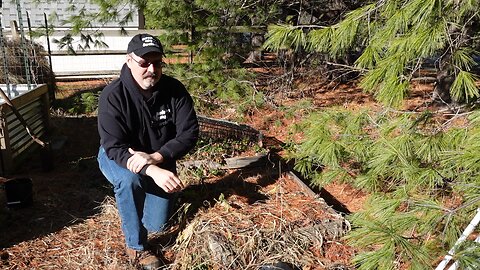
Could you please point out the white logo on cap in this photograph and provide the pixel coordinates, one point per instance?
(149, 41)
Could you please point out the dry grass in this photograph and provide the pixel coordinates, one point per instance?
(288, 226)
(241, 220)
(230, 232)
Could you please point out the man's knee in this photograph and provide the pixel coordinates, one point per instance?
(129, 181)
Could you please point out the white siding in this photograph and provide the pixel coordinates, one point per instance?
(60, 8)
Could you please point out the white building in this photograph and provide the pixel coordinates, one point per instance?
(59, 11)
(90, 62)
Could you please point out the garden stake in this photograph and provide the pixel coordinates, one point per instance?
(470, 228)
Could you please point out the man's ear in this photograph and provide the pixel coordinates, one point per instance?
(128, 60)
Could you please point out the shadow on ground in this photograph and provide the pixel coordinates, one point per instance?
(65, 195)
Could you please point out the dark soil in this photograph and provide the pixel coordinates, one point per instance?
(63, 196)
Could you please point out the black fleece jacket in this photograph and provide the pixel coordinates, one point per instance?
(165, 123)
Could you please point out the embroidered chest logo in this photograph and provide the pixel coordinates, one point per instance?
(161, 117)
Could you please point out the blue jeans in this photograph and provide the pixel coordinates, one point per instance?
(143, 206)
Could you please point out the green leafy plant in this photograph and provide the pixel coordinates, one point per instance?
(89, 101)
(213, 88)
(85, 102)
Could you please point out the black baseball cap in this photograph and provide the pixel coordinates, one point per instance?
(142, 44)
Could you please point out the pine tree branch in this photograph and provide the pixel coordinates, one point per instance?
(440, 111)
(424, 78)
(347, 66)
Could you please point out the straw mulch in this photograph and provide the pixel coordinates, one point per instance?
(278, 223)
(94, 243)
(288, 227)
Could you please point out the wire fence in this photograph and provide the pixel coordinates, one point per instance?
(23, 63)
(23, 66)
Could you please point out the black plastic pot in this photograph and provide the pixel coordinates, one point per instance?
(279, 266)
(19, 192)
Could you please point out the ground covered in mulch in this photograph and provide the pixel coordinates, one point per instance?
(244, 220)
(254, 218)
(237, 219)
(262, 219)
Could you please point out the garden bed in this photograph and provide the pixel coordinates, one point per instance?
(242, 220)
(249, 217)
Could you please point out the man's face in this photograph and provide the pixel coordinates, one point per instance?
(146, 70)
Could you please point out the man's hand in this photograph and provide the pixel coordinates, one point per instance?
(165, 179)
(139, 159)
